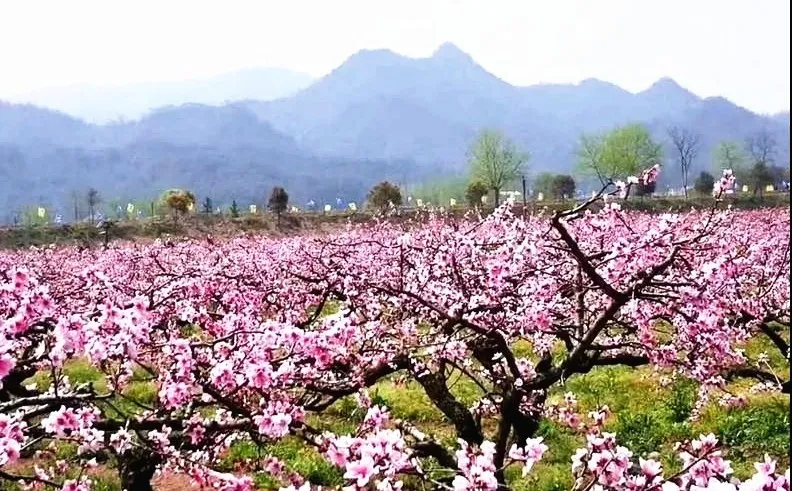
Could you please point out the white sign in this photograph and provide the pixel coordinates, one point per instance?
(540, 197)
(419, 202)
(327, 208)
(452, 202)
(353, 206)
(252, 209)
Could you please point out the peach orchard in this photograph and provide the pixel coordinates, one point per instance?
(245, 338)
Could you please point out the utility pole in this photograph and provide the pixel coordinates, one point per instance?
(525, 197)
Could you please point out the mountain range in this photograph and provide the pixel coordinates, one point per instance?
(379, 115)
(104, 104)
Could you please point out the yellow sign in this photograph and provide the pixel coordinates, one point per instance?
(419, 202)
(252, 209)
(41, 212)
(130, 208)
(770, 188)
(745, 188)
(452, 202)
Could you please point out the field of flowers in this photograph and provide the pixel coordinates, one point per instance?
(478, 353)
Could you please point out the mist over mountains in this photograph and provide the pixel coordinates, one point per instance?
(104, 104)
(378, 116)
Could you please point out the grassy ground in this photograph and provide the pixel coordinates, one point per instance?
(646, 417)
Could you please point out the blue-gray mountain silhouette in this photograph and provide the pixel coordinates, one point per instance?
(379, 115)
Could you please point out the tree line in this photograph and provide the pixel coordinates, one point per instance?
(629, 150)
(496, 163)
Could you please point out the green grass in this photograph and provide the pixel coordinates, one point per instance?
(647, 417)
(301, 459)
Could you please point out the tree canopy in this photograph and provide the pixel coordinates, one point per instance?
(704, 183)
(178, 200)
(496, 162)
(384, 195)
(729, 155)
(623, 152)
(474, 192)
(562, 187)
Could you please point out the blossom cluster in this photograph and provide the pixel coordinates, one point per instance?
(244, 338)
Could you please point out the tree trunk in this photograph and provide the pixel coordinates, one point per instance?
(497, 197)
(136, 469)
(524, 426)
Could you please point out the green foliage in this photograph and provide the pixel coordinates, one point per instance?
(31, 218)
(562, 187)
(681, 400)
(625, 151)
(556, 186)
(704, 183)
(278, 200)
(758, 428)
(234, 209)
(474, 192)
(299, 458)
(729, 155)
(543, 477)
(544, 183)
(496, 162)
(647, 418)
(758, 177)
(81, 371)
(441, 192)
(383, 195)
(142, 392)
(178, 200)
(207, 206)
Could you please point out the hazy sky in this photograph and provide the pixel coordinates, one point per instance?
(735, 48)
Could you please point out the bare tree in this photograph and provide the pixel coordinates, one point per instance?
(761, 147)
(76, 200)
(93, 199)
(687, 144)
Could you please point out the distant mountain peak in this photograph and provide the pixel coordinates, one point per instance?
(667, 86)
(666, 92)
(365, 55)
(602, 87)
(451, 52)
(593, 81)
(666, 83)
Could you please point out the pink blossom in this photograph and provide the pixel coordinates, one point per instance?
(360, 471)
